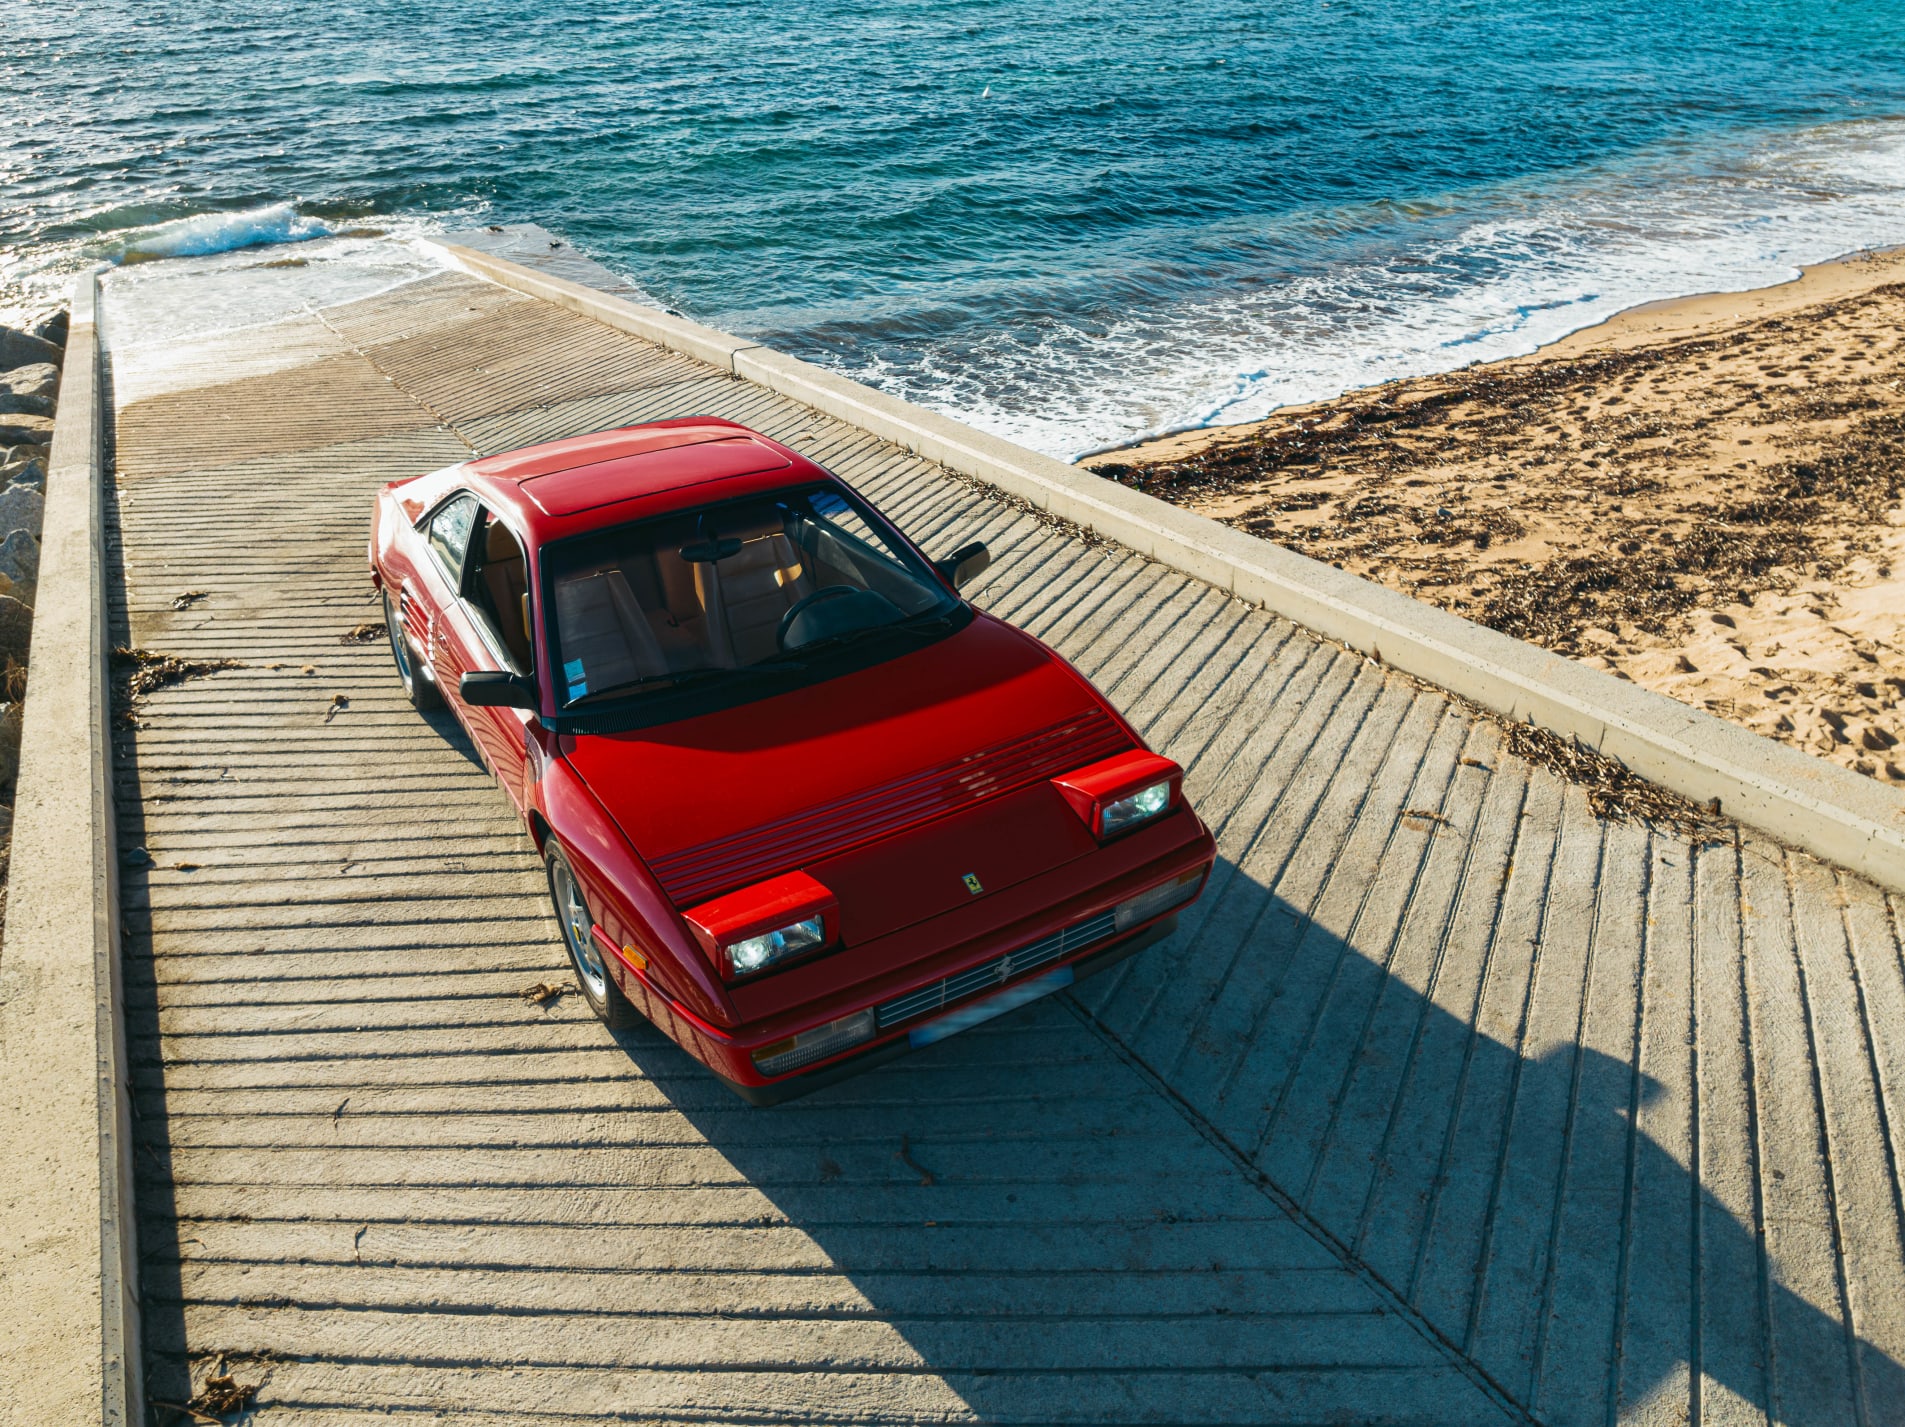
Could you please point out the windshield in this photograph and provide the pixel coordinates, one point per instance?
(759, 584)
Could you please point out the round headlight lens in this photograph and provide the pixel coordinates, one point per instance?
(1134, 808)
(753, 953)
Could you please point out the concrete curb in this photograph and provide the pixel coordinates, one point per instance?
(678, 334)
(1803, 801)
(69, 1304)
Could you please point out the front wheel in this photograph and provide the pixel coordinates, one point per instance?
(421, 691)
(598, 988)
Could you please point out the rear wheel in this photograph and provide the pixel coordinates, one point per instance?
(422, 692)
(586, 956)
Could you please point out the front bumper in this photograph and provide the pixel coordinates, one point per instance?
(1017, 948)
(893, 1046)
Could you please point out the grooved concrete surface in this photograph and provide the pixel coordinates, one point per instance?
(1448, 1104)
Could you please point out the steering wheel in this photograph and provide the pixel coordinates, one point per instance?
(826, 592)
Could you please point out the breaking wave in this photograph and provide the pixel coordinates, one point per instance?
(206, 233)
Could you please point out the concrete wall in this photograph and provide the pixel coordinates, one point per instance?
(68, 1285)
(1801, 800)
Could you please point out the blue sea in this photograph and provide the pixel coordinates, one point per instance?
(1072, 222)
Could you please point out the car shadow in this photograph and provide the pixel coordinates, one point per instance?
(1034, 1210)
(445, 725)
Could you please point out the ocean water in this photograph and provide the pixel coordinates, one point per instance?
(1072, 222)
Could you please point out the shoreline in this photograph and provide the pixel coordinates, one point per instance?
(1656, 320)
(1700, 494)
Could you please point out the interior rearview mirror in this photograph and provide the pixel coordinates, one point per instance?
(497, 689)
(965, 563)
(709, 552)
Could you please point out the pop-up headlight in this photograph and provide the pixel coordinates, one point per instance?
(761, 926)
(1114, 817)
(1121, 792)
(751, 953)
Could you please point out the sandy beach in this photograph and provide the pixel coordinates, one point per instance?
(1701, 496)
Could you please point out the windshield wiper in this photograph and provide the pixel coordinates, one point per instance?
(682, 678)
(917, 624)
(674, 678)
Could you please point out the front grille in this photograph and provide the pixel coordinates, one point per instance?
(697, 873)
(996, 972)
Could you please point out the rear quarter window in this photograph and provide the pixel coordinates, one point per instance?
(448, 535)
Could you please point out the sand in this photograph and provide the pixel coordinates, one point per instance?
(1702, 496)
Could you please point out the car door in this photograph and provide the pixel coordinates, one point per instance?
(493, 622)
(425, 598)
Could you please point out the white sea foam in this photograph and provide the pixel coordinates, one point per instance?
(1533, 264)
(205, 233)
(191, 301)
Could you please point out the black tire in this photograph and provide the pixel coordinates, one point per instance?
(421, 690)
(592, 977)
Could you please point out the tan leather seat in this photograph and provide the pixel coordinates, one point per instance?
(506, 582)
(605, 636)
(676, 616)
(746, 594)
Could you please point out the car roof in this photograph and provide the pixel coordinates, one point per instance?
(569, 487)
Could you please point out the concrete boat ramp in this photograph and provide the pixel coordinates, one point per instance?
(1450, 1103)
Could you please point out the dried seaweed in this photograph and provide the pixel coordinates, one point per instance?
(221, 1397)
(140, 672)
(544, 994)
(1614, 791)
(1553, 603)
(926, 1177)
(143, 672)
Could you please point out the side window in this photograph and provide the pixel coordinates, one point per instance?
(833, 509)
(450, 536)
(498, 586)
(846, 550)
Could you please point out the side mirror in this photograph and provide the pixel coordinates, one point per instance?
(497, 690)
(964, 564)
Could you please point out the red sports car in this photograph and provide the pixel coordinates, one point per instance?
(801, 805)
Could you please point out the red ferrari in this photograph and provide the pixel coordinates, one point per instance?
(801, 805)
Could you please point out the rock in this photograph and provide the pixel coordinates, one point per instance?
(12, 719)
(22, 508)
(52, 328)
(27, 475)
(20, 563)
(17, 348)
(10, 715)
(24, 465)
(31, 389)
(12, 402)
(23, 430)
(16, 629)
(35, 379)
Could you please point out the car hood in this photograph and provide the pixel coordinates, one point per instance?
(836, 773)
